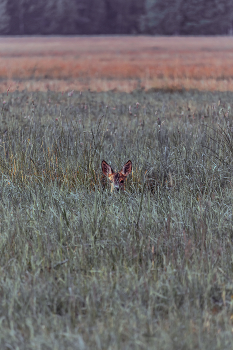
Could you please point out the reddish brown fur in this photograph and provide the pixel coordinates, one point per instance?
(117, 179)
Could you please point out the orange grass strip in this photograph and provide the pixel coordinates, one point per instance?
(122, 63)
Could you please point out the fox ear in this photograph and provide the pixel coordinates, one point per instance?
(107, 170)
(127, 168)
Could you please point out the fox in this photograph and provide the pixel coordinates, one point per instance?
(117, 179)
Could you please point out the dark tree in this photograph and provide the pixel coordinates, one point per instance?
(5, 18)
(206, 17)
(156, 17)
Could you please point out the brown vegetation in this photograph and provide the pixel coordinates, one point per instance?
(122, 63)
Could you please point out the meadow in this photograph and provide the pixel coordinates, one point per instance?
(82, 267)
(120, 63)
(85, 268)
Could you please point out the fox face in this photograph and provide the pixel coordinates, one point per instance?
(117, 179)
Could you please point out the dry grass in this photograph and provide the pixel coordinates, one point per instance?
(122, 63)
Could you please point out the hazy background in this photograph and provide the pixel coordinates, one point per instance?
(170, 17)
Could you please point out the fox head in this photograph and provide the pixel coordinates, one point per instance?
(117, 179)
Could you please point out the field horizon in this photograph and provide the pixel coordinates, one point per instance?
(119, 63)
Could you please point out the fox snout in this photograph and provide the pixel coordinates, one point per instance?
(117, 179)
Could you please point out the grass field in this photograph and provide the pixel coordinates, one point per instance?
(122, 63)
(84, 268)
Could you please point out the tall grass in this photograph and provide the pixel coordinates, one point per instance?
(85, 268)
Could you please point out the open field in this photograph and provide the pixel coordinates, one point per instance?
(122, 63)
(83, 268)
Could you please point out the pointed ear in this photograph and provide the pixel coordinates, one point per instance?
(106, 168)
(127, 168)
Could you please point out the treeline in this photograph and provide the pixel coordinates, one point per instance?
(162, 17)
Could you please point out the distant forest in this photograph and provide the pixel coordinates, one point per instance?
(155, 17)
